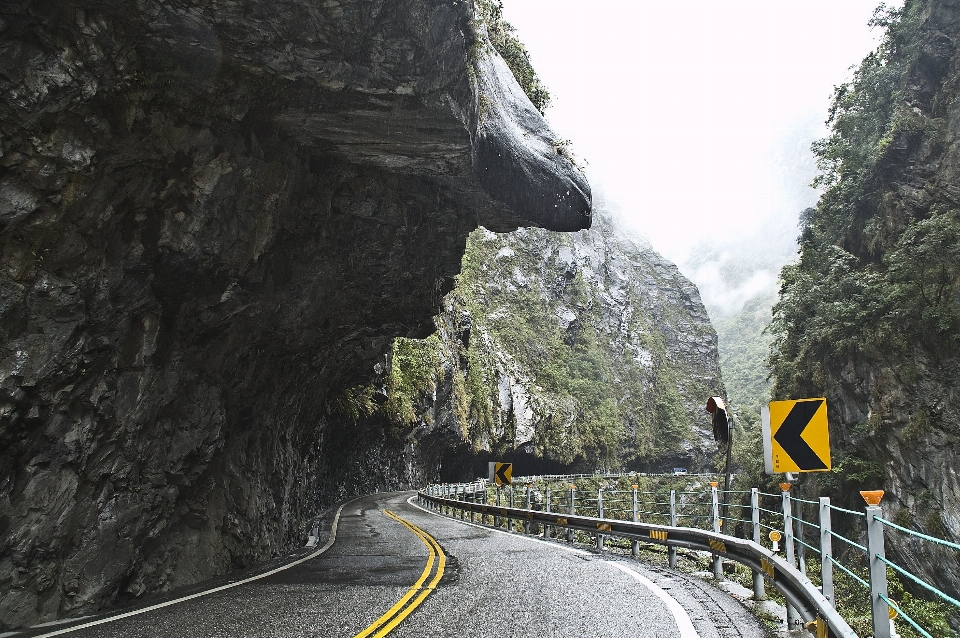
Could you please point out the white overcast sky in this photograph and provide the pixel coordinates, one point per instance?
(688, 111)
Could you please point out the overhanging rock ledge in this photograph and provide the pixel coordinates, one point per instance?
(214, 217)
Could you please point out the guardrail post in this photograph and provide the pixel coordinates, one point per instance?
(758, 591)
(878, 569)
(793, 618)
(600, 515)
(573, 511)
(546, 507)
(635, 545)
(672, 551)
(717, 559)
(510, 518)
(526, 523)
(826, 551)
(799, 533)
(483, 491)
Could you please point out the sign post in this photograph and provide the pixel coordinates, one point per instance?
(723, 434)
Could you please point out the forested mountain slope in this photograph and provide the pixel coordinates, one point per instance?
(870, 315)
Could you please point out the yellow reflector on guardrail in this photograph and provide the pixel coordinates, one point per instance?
(767, 568)
(718, 546)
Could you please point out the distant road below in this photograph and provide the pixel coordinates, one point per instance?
(493, 585)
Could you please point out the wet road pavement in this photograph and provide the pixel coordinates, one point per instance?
(495, 584)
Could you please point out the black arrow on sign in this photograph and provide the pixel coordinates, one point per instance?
(788, 436)
(502, 473)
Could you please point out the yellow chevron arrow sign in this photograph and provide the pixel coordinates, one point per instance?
(796, 437)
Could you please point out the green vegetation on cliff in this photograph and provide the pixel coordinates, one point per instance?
(503, 37)
(585, 350)
(870, 315)
(874, 277)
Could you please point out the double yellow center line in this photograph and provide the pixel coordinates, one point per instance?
(395, 615)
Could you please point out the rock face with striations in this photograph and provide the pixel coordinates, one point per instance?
(213, 217)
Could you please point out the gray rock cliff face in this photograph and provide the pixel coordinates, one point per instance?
(213, 216)
(577, 351)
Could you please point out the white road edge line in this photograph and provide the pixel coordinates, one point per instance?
(683, 621)
(328, 545)
(679, 613)
(572, 550)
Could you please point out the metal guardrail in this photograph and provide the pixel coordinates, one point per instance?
(640, 517)
(796, 588)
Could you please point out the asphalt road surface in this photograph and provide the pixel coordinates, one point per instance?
(493, 584)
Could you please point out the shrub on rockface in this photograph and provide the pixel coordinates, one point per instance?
(503, 38)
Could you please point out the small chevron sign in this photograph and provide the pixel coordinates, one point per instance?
(501, 473)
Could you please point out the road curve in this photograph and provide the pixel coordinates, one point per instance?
(493, 585)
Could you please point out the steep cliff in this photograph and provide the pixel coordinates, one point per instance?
(578, 351)
(870, 316)
(213, 218)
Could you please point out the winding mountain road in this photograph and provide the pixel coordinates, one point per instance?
(375, 579)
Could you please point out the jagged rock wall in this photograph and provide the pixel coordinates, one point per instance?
(576, 351)
(213, 217)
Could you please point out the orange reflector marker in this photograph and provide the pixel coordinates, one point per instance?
(872, 497)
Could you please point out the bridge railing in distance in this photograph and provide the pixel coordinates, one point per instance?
(717, 521)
